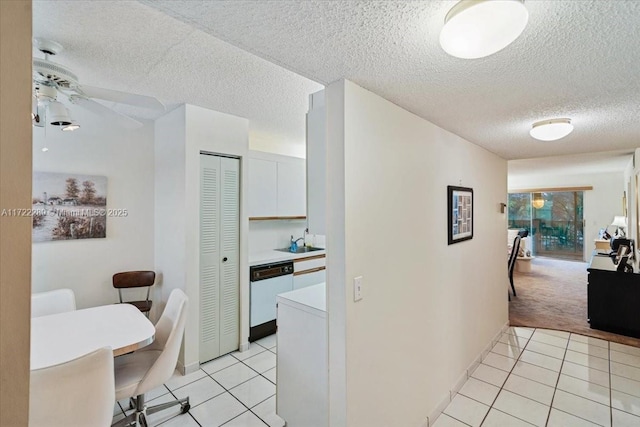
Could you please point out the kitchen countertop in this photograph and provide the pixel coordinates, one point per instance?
(268, 257)
(313, 297)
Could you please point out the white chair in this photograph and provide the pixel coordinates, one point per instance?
(145, 369)
(75, 393)
(52, 302)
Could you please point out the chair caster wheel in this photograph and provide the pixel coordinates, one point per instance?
(185, 408)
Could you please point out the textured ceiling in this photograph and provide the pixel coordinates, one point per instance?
(575, 59)
(131, 47)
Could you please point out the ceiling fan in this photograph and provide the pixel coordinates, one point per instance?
(51, 79)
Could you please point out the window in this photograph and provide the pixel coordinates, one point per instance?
(555, 225)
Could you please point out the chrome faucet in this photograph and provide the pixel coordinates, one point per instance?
(297, 240)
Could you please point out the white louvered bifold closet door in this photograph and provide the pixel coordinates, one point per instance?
(219, 256)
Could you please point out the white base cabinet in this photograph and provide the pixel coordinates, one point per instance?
(303, 369)
(309, 271)
(309, 279)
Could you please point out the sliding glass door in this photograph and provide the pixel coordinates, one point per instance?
(554, 220)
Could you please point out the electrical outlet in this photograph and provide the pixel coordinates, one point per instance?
(357, 288)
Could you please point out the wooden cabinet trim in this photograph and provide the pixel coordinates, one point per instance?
(312, 270)
(274, 218)
(308, 258)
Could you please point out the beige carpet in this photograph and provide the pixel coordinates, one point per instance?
(554, 296)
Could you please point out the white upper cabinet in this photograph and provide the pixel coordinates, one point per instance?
(262, 187)
(276, 187)
(292, 189)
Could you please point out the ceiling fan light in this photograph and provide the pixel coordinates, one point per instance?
(551, 129)
(71, 127)
(58, 115)
(478, 28)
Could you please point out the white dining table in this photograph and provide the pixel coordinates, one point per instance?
(59, 338)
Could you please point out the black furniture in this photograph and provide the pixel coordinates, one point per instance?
(613, 297)
(511, 263)
(616, 243)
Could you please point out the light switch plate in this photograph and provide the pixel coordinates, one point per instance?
(357, 288)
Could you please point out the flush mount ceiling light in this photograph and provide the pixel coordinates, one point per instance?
(478, 28)
(551, 130)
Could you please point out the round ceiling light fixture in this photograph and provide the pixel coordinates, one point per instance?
(478, 28)
(551, 129)
(538, 201)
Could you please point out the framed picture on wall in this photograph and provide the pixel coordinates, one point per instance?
(68, 206)
(459, 213)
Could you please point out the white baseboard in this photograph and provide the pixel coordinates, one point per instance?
(244, 346)
(189, 369)
(431, 419)
(433, 416)
(459, 383)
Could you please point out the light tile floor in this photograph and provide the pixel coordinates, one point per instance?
(236, 390)
(550, 378)
(534, 377)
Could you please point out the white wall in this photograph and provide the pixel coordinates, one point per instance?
(180, 137)
(283, 148)
(429, 309)
(632, 179)
(126, 158)
(270, 235)
(600, 204)
(170, 223)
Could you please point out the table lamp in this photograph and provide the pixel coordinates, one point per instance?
(621, 223)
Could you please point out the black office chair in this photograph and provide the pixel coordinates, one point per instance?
(511, 263)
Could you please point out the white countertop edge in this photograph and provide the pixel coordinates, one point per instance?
(268, 257)
(313, 297)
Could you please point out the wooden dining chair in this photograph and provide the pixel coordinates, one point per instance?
(135, 279)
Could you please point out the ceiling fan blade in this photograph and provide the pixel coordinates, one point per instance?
(108, 113)
(122, 97)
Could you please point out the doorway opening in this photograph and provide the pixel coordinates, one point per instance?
(554, 219)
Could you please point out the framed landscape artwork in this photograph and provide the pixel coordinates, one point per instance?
(459, 213)
(68, 206)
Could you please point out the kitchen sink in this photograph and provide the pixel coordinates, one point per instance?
(300, 250)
